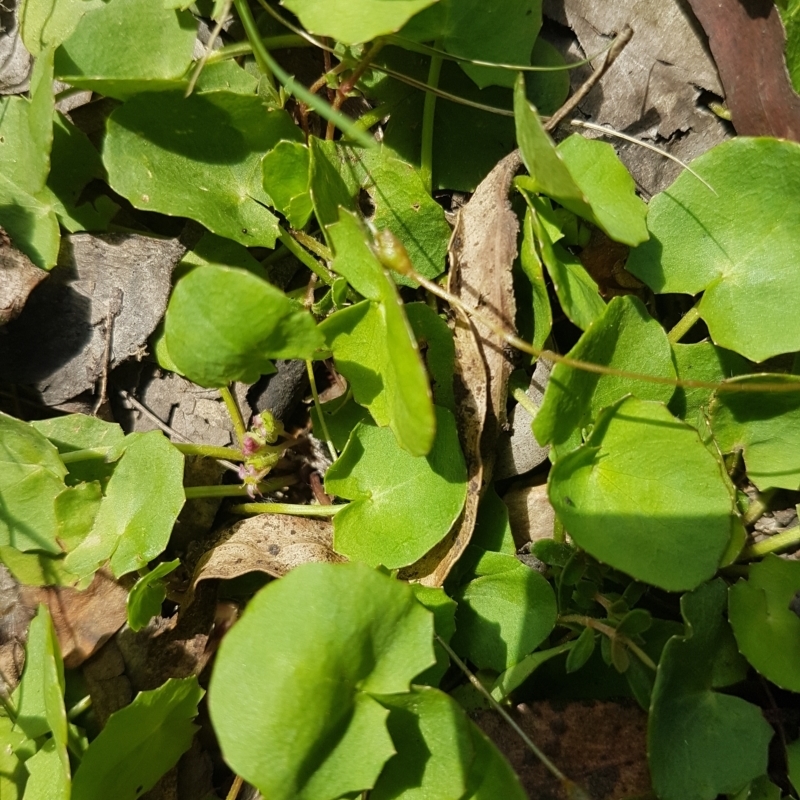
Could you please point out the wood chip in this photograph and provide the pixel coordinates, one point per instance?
(482, 252)
(747, 39)
(19, 276)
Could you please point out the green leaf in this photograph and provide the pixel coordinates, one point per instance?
(765, 426)
(444, 623)
(626, 337)
(484, 32)
(49, 776)
(285, 171)
(331, 186)
(504, 614)
(31, 476)
(47, 23)
(139, 743)
(582, 650)
(227, 76)
(532, 267)
(702, 361)
(435, 751)
(403, 206)
(198, 157)
(26, 138)
(142, 500)
(225, 324)
(40, 694)
(152, 48)
(337, 633)
(388, 487)
(701, 743)
(645, 496)
(608, 187)
(374, 346)
(354, 22)
(576, 290)
(491, 776)
(12, 769)
(793, 759)
(790, 13)
(147, 595)
(435, 341)
(738, 246)
(341, 417)
(517, 674)
(766, 629)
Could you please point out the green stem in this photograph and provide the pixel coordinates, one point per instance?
(611, 632)
(428, 114)
(282, 42)
(79, 707)
(684, 324)
(304, 257)
(774, 544)
(559, 534)
(209, 451)
(8, 705)
(310, 243)
(522, 397)
(235, 413)
(90, 454)
(318, 406)
(253, 34)
(227, 490)
(374, 115)
(293, 87)
(291, 509)
(758, 507)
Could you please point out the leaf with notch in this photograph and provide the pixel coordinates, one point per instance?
(388, 487)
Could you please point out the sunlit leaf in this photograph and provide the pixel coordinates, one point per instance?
(388, 487)
(645, 496)
(738, 245)
(765, 427)
(767, 630)
(147, 595)
(225, 324)
(337, 633)
(198, 157)
(139, 743)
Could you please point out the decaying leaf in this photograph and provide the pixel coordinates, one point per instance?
(58, 342)
(15, 617)
(270, 543)
(83, 620)
(19, 276)
(654, 89)
(747, 39)
(482, 251)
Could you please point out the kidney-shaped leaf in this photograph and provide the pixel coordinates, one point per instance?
(701, 743)
(225, 324)
(766, 629)
(353, 22)
(738, 246)
(290, 695)
(139, 743)
(766, 426)
(389, 487)
(645, 496)
(198, 157)
(504, 614)
(146, 46)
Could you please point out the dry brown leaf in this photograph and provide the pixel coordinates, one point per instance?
(654, 91)
(19, 276)
(599, 745)
(270, 543)
(482, 252)
(747, 39)
(15, 618)
(83, 620)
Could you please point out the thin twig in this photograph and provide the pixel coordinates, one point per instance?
(621, 41)
(114, 307)
(226, 9)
